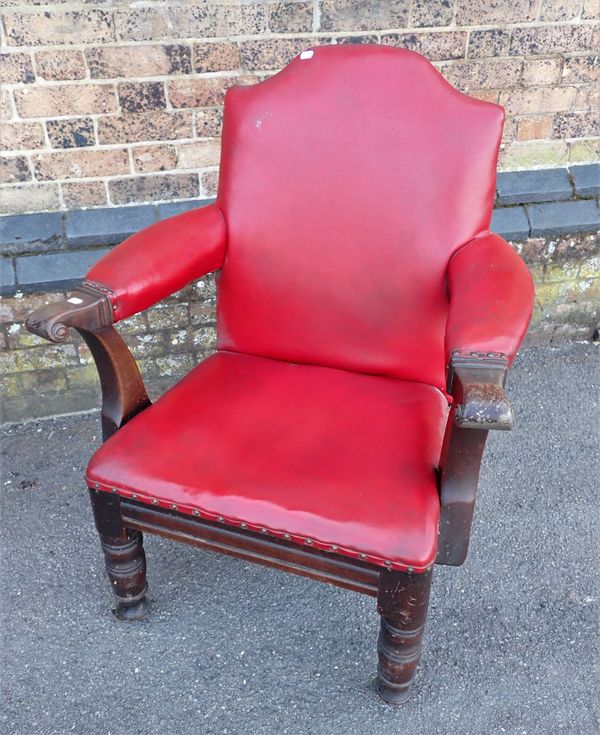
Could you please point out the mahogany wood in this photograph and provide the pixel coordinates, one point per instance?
(476, 382)
(402, 602)
(123, 391)
(123, 555)
(320, 565)
(88, 307)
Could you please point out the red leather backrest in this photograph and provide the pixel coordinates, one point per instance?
(347, 181)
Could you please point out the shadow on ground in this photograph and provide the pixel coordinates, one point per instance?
(512, 638)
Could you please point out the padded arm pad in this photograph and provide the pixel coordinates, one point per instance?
(491, 298)
(161, 259)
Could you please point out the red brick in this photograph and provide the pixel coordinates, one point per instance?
(142, 24)
(60, 65)
(591, 9)
(138, 61)
(535, 127)
(559, 10)
(272, 53)
(481, 74)
(61, 100)
(577, 124)
(509, 132)
(488, 12)
(150, 158)
(79, 164)
(290, 17)
(14, 169)
(6, 104)
(71, 132)
(492, 42)
(29, 198)
(353, 39)
(485, 95)
(144, 126)
(435, 46)
(357, 15)
(537, 72)
(428, 13)
(588, 97)
(200, 154)
(205, 92)
(581, 69)
(59, 27)
(214, 19)
(21, 136)
(83, 194)
(153, 188)
(529, 101)
(535, 40)
(216, 56)
(209, 181)
(15, 68)
(141, 96)
(209, 122)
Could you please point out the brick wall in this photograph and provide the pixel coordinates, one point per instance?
(112, 103)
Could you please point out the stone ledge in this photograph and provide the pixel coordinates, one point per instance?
(53, 271)
(30, 232)
(54, 251)
(563, 218)
(545, 185)
(25, 234)
(511, 223)
(108, 226)
(586, 179)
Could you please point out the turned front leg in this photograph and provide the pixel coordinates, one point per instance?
(402, 602)
(123, 555)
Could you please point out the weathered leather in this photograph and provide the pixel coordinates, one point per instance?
(491, 298)
(328, 456)
(161, 259)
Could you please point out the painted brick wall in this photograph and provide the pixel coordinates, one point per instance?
(120, 102)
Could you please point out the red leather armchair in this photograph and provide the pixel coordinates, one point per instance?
(366, 321)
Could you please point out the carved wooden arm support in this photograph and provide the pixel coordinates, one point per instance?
(88, 310)
(88, 307)
(476, 382)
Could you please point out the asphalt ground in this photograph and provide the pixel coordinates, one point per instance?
(511, 644)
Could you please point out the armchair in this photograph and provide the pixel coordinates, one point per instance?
(366, 322)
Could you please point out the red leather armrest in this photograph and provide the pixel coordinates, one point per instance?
(161, 259)
(491, 298)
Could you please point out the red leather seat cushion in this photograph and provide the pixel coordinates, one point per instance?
(324, 454)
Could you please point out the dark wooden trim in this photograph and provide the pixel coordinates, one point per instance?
(88, 307)
(402, 602)
(89, 310)
(124, 557)
(476, 381)
(277, 553)
(123, 391)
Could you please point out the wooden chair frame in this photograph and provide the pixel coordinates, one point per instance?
(476, 382)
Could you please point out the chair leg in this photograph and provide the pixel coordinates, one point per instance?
(402, 603)
(124, 557)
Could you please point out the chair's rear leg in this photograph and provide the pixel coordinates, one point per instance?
(402, 603)
(124, 557)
